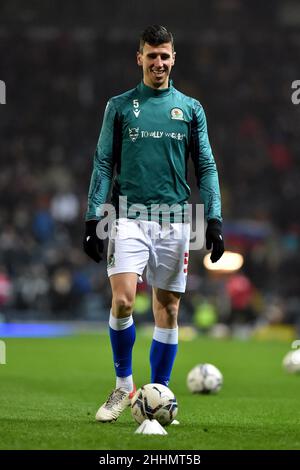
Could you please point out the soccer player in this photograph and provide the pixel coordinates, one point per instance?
(146, 138)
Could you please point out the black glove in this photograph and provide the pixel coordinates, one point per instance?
(92, 245)
(214, 238)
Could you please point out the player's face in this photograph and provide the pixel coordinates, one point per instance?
(157, 62)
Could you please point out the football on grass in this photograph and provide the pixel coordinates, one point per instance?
(291, 361)
(154, 401)
(204, 378)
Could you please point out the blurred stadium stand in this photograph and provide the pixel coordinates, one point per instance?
(61, 61)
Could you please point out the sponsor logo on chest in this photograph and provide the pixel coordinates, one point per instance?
(135, 133)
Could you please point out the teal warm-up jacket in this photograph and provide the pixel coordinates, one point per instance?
(147, 136)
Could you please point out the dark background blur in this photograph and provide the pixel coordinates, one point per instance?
(61, 61)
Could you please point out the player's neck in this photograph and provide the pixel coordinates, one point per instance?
(155, 92)
(163, 86)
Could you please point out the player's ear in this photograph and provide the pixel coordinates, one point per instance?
(173, 57)
(139, 58)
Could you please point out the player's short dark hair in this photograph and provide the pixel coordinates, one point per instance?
(155, 35)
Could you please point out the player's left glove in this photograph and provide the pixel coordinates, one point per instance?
(214, 239)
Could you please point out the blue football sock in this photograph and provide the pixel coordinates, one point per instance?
(122, 338)
(162, 354)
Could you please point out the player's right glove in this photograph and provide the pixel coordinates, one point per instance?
(92, 245)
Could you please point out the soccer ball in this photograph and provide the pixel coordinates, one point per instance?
(291, 361)
(154, 401)
(204, 378)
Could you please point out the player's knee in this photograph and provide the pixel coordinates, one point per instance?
(123, 305)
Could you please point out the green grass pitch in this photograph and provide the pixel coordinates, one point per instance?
(51, 388)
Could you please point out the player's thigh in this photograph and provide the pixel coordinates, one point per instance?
(128, 251)
(167, 269)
